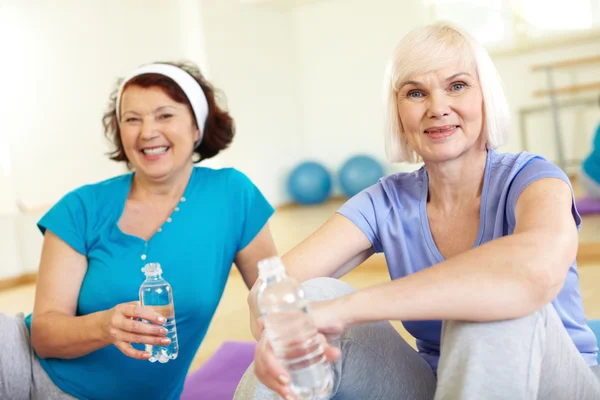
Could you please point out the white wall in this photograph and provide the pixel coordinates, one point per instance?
(63, 59)
(304, 81)
(61, 62)
(251, 54)
(342, 49)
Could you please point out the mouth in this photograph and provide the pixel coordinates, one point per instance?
(440, 132)
(441, 129)
(155, 151)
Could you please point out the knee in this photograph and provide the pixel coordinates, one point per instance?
(509, 327)
(325, 288)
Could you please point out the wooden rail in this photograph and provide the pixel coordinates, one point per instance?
(568, 89)
(567, 63)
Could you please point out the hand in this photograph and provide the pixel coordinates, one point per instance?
(121, 328)
(328, 317)
(271, 372)
(273, 375)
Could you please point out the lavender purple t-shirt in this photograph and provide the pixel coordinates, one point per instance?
(392, 214)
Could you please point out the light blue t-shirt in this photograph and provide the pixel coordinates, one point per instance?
(392, 214)
(219, 214)
(591, 164)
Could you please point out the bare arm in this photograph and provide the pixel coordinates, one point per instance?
(506, 278)
(55, 331)
(260, 247)
(246, 261)
(335, 249)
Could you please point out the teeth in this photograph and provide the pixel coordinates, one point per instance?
(440, 130)
(155, 151)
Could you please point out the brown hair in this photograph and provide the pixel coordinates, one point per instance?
(219, 128)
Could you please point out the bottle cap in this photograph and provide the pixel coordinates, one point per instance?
(152, 269)
(270, 266)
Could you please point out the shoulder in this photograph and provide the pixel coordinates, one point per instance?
(230, 176)
(506, 168)
(402, 188)
(225, 185)
(98, 192)
(511, 174)
(396, 191)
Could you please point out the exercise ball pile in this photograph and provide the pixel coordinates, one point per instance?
(311, 183)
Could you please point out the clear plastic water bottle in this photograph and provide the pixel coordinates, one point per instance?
(292, 332)
(157, 294)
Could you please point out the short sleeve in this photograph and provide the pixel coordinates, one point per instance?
(534, 170)
(68, 219)
(252, 208)
(367, 209)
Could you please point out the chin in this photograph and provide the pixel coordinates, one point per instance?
(446, 153)
(155, 172)
(441, 155)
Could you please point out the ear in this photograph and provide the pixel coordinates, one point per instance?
(196, 134)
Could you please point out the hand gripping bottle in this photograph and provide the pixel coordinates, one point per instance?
(292, 332)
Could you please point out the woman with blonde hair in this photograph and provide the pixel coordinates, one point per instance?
(480, 246)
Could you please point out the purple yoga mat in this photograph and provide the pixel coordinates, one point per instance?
(587, 205)
(218, 378)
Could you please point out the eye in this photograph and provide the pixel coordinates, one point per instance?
(457, 86)
(131, 119)
(165, 116)
(414, 94)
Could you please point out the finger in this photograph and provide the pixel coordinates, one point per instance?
(135, 310)
(129, 351)
(142, 339)
(139, 328)
(332, 353)
(270, 370)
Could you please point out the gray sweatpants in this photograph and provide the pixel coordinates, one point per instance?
(21, 375)
(521, 359)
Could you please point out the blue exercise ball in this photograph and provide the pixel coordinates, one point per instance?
(309, 183)
(594, 324)
(358, 173)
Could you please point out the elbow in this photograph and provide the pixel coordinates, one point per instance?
(549, 270)
(41, 340)
(543, 288)
(38, 341)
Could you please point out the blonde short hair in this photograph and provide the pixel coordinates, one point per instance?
(426, 49)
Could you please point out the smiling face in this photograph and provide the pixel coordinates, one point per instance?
(441, 112)
(158, 133)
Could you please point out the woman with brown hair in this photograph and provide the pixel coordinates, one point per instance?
(194, 221)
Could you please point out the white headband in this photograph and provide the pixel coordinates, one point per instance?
(186, 82)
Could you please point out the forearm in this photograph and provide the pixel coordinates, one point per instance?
(56, 335)
(503, 279)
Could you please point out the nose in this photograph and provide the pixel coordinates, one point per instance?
(438, 105)
(148, 129)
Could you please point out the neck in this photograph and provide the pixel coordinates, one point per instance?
(457, 182)
(150, 190)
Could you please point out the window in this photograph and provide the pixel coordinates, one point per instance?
(506, 22)
(543, 17)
